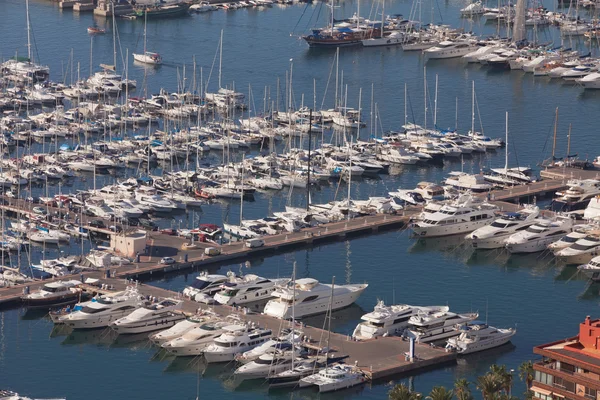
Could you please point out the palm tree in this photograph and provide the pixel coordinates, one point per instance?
(503, 376)
(462, 390)
(490, 385)
(526, 373)
(402, 392)
(440, 393)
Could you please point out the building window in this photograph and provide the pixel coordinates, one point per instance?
(564, 367)
(590, 393)
(566, 385)
(543, 378)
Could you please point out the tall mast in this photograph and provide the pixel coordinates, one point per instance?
(114, 34)
(337, 70)
(473, 108)
(358, 14)
(382, 16)
(425, 97)
(220, 58)
(506, 147)
(309, 166)
(28, 32)
(145, 27)
(554, 140)
(405, 105)
(359, 113)
(435, 103)
(568, 144)
(329, 327)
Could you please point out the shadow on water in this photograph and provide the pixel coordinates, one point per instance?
(136, 341)
(101, 336)
(444, 243)
(473, 364)
(591, 291)
(32, 314)
(537, 263)
(496, 257)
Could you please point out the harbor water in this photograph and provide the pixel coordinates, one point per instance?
(542, 299)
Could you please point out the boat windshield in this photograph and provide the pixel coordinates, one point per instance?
(53, 289)
(578, 246)
(91, 310)
(569, 239)
(376, 324)
(229, 293)
(208, 327)
(225, 344)
(536, 229)
(200, 284)
(496, 224)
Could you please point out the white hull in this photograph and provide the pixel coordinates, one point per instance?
(531, 247)
(393, 41)
(148, 326)
(582, 258)
(263, 371)
(449, 53)
(495, 242)
(97, 322)
(277, 309)
(142, 58)
(451, 229)
(485, 345)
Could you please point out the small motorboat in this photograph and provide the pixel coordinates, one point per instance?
(92, 30)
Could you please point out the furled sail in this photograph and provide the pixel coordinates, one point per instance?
(519, 32)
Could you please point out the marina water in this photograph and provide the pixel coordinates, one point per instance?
(544, 300)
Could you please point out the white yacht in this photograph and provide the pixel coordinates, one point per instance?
(582, 251)
(267, 364)
(591, 269)
(592, 210)
(509, 176)
(236, 339)
(205, 285)
(161, 315)
(578, 232)
(451, 49)
(468, 182)
(195, 341)
(577, 196)
(591, 81)
(247, 289)
(479, 337)
(539, 235)
(335, 377)
(389, 320)
(428, 327)
(461, 216)
(492, 236)
(181, 328)
(309, 297)
(100, 312)
(53, 294)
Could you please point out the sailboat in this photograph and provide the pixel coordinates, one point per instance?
(147, 57)
(392, 38)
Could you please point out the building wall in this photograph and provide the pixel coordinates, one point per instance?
(128, 246)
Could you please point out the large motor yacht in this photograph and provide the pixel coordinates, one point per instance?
(247, 289)
(582, 251)
(468, 182)
(182, 327)
(100, 312)
(492, 236)
(478, 337)
(205, 286)
(461, 216)
(236, 339)
(309, 297)
(451, 49)
(428, 327)
(195, 341)
(152, 317)
(577, 196)
(539, 235)
(389, 320)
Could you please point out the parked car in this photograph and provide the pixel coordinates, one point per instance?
(40, 211)
(212, 251)
(167, 260)
(169, 231)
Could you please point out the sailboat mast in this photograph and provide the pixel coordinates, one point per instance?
(309, 166)
(473, 107)
(220, 57)
(349, 174)
(293, 314)
(506, 147)
(425, 96)
(554, 140)
(329, 327)
(568, 144)
(242, 198)
(145, 27)
(28, 32)
(435, 97)
(114, 35)
(405, 104)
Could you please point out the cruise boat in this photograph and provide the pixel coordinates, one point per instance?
(432, 326)
(591, 269)
(335, 377)
(389, 320)
(582, 251)
(100, 312)
(478, 337)
(181, 328)
(492, 236)
(451, 49)
(205, 286)
(161, 315)
(310, 297)
(461, 216)
(247, 289)
(197, 339)
(236, 339)
(468, 182)
(577, 196)
(54, 294)
(539, 235)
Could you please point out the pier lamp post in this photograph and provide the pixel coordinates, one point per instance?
(511, 383)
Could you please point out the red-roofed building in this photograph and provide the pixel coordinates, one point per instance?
(570, 368)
